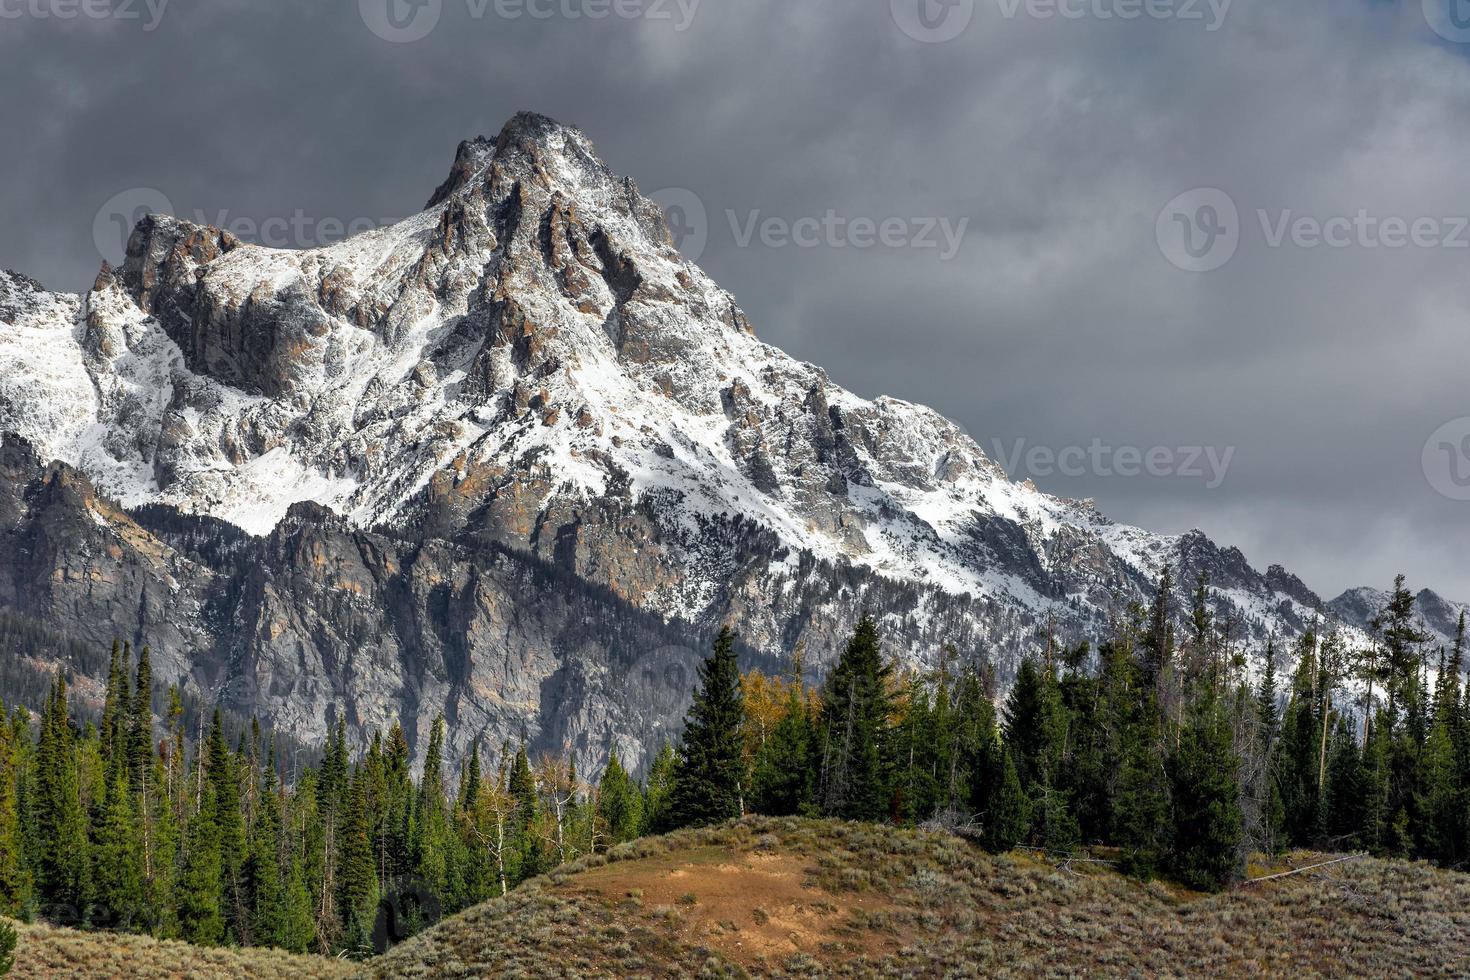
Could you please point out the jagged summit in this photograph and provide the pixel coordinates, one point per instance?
(529, 367)
(1438, 616)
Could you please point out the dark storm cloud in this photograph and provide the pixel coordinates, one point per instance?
(1058, 132)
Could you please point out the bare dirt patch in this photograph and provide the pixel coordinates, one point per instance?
(749, 907)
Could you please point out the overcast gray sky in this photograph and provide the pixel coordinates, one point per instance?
(1061, 130)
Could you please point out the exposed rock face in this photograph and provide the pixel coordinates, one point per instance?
(467, 444)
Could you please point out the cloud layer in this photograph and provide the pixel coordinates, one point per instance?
(1054, 131)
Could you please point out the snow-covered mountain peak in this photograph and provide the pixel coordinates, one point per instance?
(530, 361)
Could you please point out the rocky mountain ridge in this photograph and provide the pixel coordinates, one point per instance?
(418, 471)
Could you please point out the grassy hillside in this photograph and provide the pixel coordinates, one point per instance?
(806, 898)
(52, 953)
(799, 898)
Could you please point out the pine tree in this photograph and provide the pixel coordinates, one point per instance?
(1009, 815)
(1401, 639)
(394, 845)
(782, 781)
(1377, 813)
(223, 773)
(1440, 805)
(657, 817)
(707, 783)
(15, 877)
(1266, 709)
(976, 766)
(1207, 819)
(200, 890)
(114, 725)
(298, 930)
(117, 865)
(357, 876)
(469, 788)
(62, 872)
(1036, 735)
(856, 711)
(619, 805)
(1344, 813)
(1141, 817)
(140, 725)
(263, 872)
(434, 850)
(1158, 641)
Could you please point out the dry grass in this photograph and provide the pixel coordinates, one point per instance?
(805, 898)
(796, 898)
(50, 952)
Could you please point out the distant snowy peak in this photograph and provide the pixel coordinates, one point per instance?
(530, 361)
(1438, 616)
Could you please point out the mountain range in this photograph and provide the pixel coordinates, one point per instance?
(513, 460)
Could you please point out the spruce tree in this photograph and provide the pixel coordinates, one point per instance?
(61, 831)
(1206, 804)
(1440, 805)
(140, 725)
(223, 773)
(15, 878)
(432, 846)
(619, 804)
(114, 725)
(782, 781)
(357, 877)
(1141, 817)
(1009, 816)
(1157, 648)
(657, 817)
(263, 872)
(707, 783)
(298, 929)
(200, 889)
(1346, 793)
(117, 863)
(856, 710)
(395, 843)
